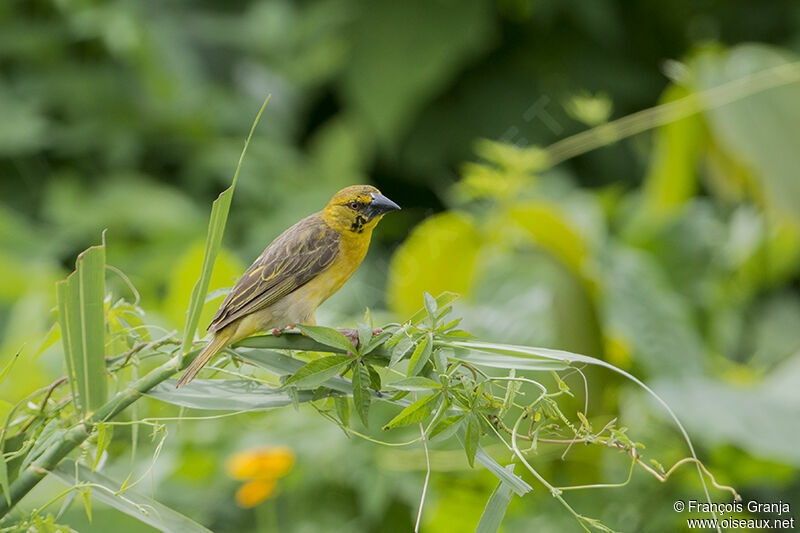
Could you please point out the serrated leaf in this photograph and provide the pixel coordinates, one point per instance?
(343, 409)
(82, 322)
(361, 395)
(430, 307)
(143, 508)
(329, 337)
(51, 434)
(442, 300)
(104, 435)
(471, 439)
(400, 349)
(414, 383)
(445, 426)
(319, 370)
(416, 412)
(374, 342)
(364, 335)
(421, 355)
(495, 510)
(216, 228)
(374, 378)
(87, 502)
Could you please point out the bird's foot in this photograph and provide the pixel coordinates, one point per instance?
(276, 332)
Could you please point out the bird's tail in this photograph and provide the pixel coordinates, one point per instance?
(210, 350)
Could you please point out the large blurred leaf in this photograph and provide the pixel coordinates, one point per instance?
(438, 256)
(143, 508)
(759, 131)
(672, 175)
(405, 52)
(759, 419)
(652, 318)
(82, 322)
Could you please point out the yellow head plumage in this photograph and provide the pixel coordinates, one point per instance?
(357, 209)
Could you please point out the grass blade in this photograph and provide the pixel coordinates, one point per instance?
(216, 228)
(7, 369)
(82, 321)
(143, 508)
(495, 509)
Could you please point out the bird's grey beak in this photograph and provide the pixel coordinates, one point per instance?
(379, 205)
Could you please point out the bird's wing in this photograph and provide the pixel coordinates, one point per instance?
(293, 259)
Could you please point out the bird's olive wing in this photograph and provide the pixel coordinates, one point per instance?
(293, 259)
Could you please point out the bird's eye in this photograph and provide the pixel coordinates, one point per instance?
(354, 205)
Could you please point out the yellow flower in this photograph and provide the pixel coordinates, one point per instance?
(254, 492)
(260, 467)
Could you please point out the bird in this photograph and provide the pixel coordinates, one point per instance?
(297, 271)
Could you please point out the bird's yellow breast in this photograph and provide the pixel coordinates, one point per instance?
(299, 306)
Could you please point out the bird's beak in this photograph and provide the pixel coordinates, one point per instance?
(379, 205)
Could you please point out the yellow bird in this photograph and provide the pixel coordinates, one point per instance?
(298, 271)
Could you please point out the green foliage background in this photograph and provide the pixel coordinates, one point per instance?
(673, 254)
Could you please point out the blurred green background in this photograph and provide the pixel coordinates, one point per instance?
(674, 254)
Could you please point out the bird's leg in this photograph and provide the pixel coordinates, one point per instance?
(278, 332)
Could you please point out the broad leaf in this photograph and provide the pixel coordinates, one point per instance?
(225, 395)
(471, 438)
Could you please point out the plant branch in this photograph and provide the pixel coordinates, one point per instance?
(50, 459)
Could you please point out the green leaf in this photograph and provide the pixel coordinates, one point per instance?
(442, 300)
(446, 426)
(421, 355)
(430, 307)
(495, 509)
(343, 409)
(416, 412)
(364, 334)
(216, 228)
(319, 370)
(414, 383)
(361, 395)
(7, 369)
(82, 321)
(87, 502)
(51, 434)
(284, 365)
(104, 435)
(400, 349)
(141, 507)
(225, 395)
(329, 337)
(375, 342)
(374, 378)
(471, 438)
(4, 477)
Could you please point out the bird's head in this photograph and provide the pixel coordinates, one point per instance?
(357, 209)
